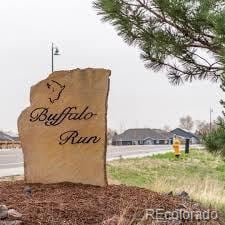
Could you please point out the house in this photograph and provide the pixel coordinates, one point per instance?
(7, 141)
(5, 137)
(142, 136)
(184, 134)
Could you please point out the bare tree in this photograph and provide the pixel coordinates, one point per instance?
(203, 127)
(186, 123)
(122, 127)
(110, 135)
(167, 128)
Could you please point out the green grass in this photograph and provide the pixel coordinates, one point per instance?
(200, 173)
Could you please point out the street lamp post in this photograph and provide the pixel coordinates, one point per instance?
(210, 119)
(55, 51)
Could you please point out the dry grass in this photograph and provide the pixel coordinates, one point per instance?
(208, 191)
(200, 174)
(12, 178)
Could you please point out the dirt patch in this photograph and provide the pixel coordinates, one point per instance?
(77, 204)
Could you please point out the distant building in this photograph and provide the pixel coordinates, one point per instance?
(15, 138)
(143, 136)
(184, 134)
(5, 137)
(7, 141)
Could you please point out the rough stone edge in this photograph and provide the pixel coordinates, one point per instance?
(106, 127)
(108, 73)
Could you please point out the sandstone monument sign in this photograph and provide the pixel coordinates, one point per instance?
(63, 132)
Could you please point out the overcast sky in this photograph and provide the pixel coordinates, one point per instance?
(138, 97)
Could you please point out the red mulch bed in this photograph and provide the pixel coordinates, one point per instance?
(77, 204)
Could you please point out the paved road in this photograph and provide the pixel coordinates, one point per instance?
(11, 161)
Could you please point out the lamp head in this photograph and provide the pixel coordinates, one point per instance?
(56, 51)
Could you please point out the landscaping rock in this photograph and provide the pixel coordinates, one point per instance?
(169, 193)
(14, 213)
(27, 190)
(73, 134)
(3, 212)
(184, 194)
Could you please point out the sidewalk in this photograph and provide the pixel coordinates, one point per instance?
(11, 172)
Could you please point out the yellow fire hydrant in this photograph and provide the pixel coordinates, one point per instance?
(176, 147)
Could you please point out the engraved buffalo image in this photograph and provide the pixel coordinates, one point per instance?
(56, 90)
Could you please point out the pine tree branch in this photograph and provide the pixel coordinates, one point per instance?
(164, 37)
(188, 33)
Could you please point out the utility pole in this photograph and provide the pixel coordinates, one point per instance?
(210, 119)
(54, 51)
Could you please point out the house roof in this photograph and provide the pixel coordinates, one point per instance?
(15, 138)
(183, 133)
(5, 137)
(142, 134)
